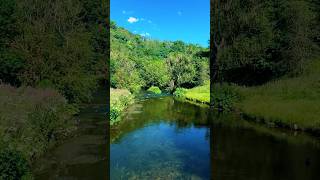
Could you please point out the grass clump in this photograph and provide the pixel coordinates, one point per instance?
(154, 90)
(120, 99)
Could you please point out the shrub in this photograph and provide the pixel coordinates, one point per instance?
(49, 119)
(13, 165)
(180, 92)
(154, 89)
(31, 120)
(120, 99)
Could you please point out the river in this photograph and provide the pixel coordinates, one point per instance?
(171, 139)
(165, 138)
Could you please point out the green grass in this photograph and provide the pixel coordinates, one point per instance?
(224, 95)
(154, 89)
(198, 94)
(120, 99)
(291, 102)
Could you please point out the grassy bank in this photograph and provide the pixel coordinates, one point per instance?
(289, 102)
(292, 102)
(31, 121)
(119, 101)
(225, 95)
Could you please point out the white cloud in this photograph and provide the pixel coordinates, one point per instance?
(179, 13)
(133, 20)
(145, 34)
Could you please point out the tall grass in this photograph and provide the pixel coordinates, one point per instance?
(292, 102)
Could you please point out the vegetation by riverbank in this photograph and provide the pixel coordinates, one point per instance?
(155, 90)
(53, 54)
(292, 102)
(119, 101)
(225, 96)
(31, 121)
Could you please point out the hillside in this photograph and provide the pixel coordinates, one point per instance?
(138, 62)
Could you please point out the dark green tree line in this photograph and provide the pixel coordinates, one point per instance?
(57, 44)
(262, 40)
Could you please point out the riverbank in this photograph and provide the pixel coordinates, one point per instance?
(31, 122)
(83, 154)
(120, 99)
(292, 103)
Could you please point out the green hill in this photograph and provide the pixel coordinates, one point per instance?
(139, 62)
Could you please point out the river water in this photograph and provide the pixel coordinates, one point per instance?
(166, 138)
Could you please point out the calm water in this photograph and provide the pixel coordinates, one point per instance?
(162, 138)
(168, 139)
(83, 157)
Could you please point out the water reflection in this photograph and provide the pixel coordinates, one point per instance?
(170, 139)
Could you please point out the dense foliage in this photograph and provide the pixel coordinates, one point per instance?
(137, 62)
(57, 44)
(264, 39)
(120, 99)
(13, 165)
(31, 121)
(154, 90)
(53, 54)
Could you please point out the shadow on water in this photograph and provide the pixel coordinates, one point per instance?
(84, 155)
(169, 139)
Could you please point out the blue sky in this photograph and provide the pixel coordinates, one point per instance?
(186, 20)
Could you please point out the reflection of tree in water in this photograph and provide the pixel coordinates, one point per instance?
(157, 110)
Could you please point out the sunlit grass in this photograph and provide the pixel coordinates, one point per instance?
(201, 93)
(115, 94)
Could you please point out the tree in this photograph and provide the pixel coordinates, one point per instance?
(155, 73)
(55, 47)
(181, 69)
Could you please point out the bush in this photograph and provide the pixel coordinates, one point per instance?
(154, 89)
(180, 92)
(120, 99)
(225, 97)
(31, 120)
(13, 166)
(49, 119)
